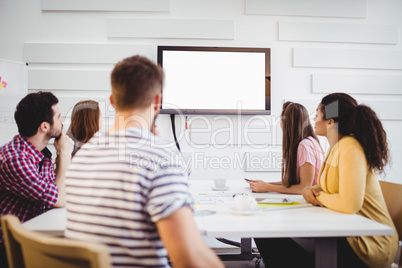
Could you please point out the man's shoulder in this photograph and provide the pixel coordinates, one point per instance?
(15, 149)
(11, 157)
(9, 144)
(126, 146)
(145, 140)
(17, 162)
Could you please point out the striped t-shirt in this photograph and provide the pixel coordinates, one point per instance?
(118, 186)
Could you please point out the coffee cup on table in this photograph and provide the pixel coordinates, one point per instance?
(245, 202)
(220, 183)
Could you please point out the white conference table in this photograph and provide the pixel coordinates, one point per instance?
(322, 225)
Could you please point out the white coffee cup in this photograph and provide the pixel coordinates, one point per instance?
(245, 202)
(220, 183)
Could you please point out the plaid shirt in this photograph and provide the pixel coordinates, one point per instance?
(27, 186)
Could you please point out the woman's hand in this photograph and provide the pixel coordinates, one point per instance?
(310, 195)
(259, 186)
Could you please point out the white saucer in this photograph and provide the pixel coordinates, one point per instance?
(220, 189)
(244, 212)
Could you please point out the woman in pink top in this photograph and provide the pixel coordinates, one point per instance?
(301, 150)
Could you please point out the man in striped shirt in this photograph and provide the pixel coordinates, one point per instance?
(28, 184)
(128, 189)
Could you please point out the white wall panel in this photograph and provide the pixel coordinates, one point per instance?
(66, 104)
(75, 23)
(106, 5)
(233, 162)
(314, 8)
(393, 130)
(338, 32)
(83, 53)
(268, 161)
(348, 58)
(310, 104)
(386, 110)
(69, 79)
(170, 28)
(258, 131)
(357, 83)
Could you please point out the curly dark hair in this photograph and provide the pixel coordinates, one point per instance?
(33, 110)
(361, 122)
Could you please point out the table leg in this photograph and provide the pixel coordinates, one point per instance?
(326, 252)
(246, 252)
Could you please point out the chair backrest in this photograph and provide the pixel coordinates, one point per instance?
(392, 193)
(30, 249)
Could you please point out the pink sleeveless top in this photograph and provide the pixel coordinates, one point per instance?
(309, 151)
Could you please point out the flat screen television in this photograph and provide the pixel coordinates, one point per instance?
(215, 80)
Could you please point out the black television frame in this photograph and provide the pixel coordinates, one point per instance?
(267, 52)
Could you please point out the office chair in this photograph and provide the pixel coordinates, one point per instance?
(29, 249)
(392, 193)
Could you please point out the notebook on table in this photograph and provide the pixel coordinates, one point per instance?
(278, 203)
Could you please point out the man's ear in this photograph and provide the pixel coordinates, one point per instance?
(44, 127)
(157, 102)
(111, 100)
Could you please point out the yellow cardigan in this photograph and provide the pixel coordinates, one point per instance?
(348, 186)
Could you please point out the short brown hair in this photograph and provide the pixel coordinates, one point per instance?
(135, 83)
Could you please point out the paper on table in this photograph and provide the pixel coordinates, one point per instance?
(274, 201)
(200, 213)
(213, 200)
(266, 207)
(216, 194)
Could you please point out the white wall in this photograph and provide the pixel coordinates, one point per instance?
(350, 46)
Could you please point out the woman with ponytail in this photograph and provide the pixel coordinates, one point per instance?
(86, 120)
(348, 178)
(302, 159)
(301, 150)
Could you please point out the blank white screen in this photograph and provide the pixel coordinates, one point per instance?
(214, 80)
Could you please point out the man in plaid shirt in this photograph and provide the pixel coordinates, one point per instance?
(28, 184)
